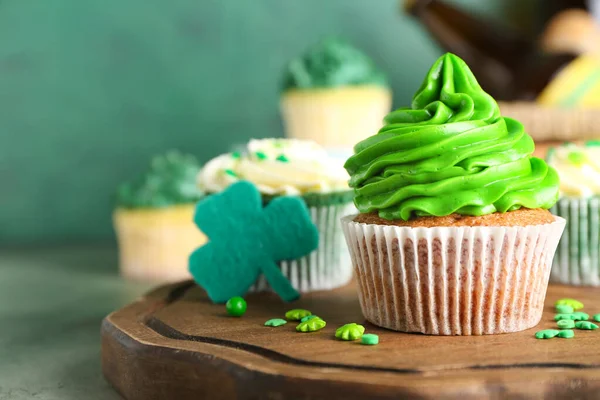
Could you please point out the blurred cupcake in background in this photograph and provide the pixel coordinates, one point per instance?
(290, 167)
(335, 95)
(577, 261)
(153, 220)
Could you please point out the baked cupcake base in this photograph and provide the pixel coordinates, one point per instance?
(154, 244)
(454, 279)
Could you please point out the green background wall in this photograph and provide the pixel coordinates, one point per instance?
(90, 90)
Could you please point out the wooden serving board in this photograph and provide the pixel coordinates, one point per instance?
(175, 344)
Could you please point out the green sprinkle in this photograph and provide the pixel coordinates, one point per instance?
(592, 143)
(230, 172)
(351, 331)
(307, 318)
(597, 317)
(566, 334)
(577, 305)
(558, 317)
(297, 314)
(566, 324)
(260, 155)
(312, 325)
(282, 158)
(236, 306)
(576, 316)
(370, 339)
(236, 155)
(276, 322)
(564, 309)
(546, 334)
(586, 325)
(576, 157)
(580, 316)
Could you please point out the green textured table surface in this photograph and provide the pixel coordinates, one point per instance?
(52, 301)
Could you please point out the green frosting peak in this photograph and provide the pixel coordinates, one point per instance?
(450, 152)
(171, 180)
(332, 63)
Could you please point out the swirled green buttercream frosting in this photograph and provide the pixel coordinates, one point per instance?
(332, 63)
(170, 180)
(450, 152)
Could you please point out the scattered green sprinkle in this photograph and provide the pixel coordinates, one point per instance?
(297, 314)
(586, 325)
(576, 316)
(351, 331)
(564, 309)
(370, 339)
(236, 306)
(282, 158)
(577, 305)
(312, 325)
(566, 324)
(558, 317)
(597, 317)
(260, 155)
(580, 316)
(576, 157)
(566, 334)
(546, 334)
(236, 155)
(592, 143)
(304, 319)
(231, 172)
(276, 322)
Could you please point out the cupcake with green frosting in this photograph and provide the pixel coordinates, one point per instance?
(334, 94)
(153, 220)
(291, 167)
(577, 260)
(454, 236)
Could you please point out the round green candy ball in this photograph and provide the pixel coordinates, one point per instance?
(236, 306)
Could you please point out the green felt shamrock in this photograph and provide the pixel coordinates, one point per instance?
(351, 331)
(312, 325)
(247, 239)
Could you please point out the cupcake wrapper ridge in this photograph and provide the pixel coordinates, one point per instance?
(452, 280)
(577, 260)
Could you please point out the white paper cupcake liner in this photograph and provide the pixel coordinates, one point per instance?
(329, 266)
(577, 260)
(452, 280)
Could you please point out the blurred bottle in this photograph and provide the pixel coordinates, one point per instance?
(508, 65)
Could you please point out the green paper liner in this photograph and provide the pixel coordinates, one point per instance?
(329, 266)
(577, 260)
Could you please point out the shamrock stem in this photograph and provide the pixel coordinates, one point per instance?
(279, 283)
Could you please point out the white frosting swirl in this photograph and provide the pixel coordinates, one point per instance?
(578, 168)
(276, 167)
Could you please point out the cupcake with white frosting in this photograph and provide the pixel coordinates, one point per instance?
(291, 167)
(577, 260)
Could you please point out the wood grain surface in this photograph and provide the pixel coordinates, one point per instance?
(174, 343)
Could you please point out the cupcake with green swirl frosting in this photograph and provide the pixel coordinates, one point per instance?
(153, 220)
(454, 235)
(577, 260)
(334, 94)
